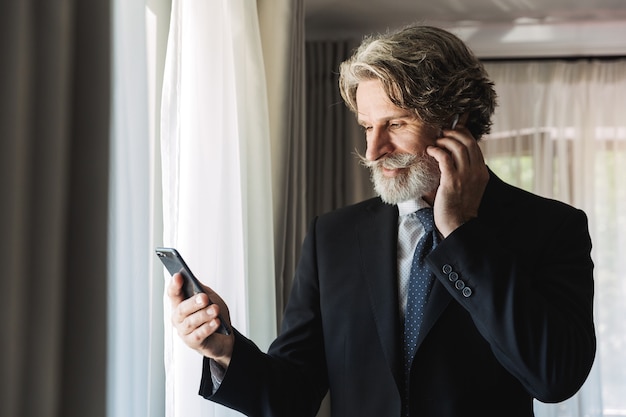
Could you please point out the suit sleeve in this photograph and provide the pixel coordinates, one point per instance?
(530, 297)
(291, 379)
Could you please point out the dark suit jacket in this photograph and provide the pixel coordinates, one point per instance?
(514, 323)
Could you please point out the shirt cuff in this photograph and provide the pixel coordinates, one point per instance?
(217, 374)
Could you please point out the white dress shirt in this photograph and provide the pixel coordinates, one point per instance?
(410, 230)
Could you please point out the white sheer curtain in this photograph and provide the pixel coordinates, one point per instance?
(560, 131)
(216, 177)
(135, 373)
(129, 227)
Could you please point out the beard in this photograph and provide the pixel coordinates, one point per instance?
(419, 176)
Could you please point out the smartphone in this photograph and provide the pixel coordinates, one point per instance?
(174, 263)
(455, 121)
(453, 124)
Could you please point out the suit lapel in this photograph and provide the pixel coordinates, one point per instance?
(377, 235)
(438, 300)
(440, 297)
(378, 238)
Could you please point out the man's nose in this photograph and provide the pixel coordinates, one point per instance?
(378, 144)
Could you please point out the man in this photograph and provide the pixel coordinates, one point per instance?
(506, 313)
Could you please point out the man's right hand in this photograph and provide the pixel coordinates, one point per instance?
(196, 322)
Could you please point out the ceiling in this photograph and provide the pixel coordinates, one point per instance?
(493, 28)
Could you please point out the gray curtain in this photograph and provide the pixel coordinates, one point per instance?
(54, 128)
(334, 176)
(282, 36)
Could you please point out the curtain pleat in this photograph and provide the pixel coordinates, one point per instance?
(282, 36)
(135, 374)
(54, 128)
(334, 176)
(217, 178)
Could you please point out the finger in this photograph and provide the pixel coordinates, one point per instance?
(175, 290)
(474, 151)
(215, 298)
(199, 326)
(458, 151)
(443, 158)
(199, 335)
(213, 314)
(189, 307)
(193, 313)
(463, 146)
(461, 135)
(189, 323)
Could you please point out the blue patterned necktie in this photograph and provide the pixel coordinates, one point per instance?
(420, 283)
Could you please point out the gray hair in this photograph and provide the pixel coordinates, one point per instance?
(426, 70)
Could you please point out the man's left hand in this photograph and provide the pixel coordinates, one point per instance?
(464, 177)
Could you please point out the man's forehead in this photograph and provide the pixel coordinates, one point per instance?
(391, 114)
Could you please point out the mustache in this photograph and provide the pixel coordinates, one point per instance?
(394, 161)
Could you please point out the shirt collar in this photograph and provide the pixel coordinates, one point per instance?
(411, 206)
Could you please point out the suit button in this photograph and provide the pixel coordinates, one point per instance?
(447, 269)
(453, 276)
(467, 291)
(459, 285)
